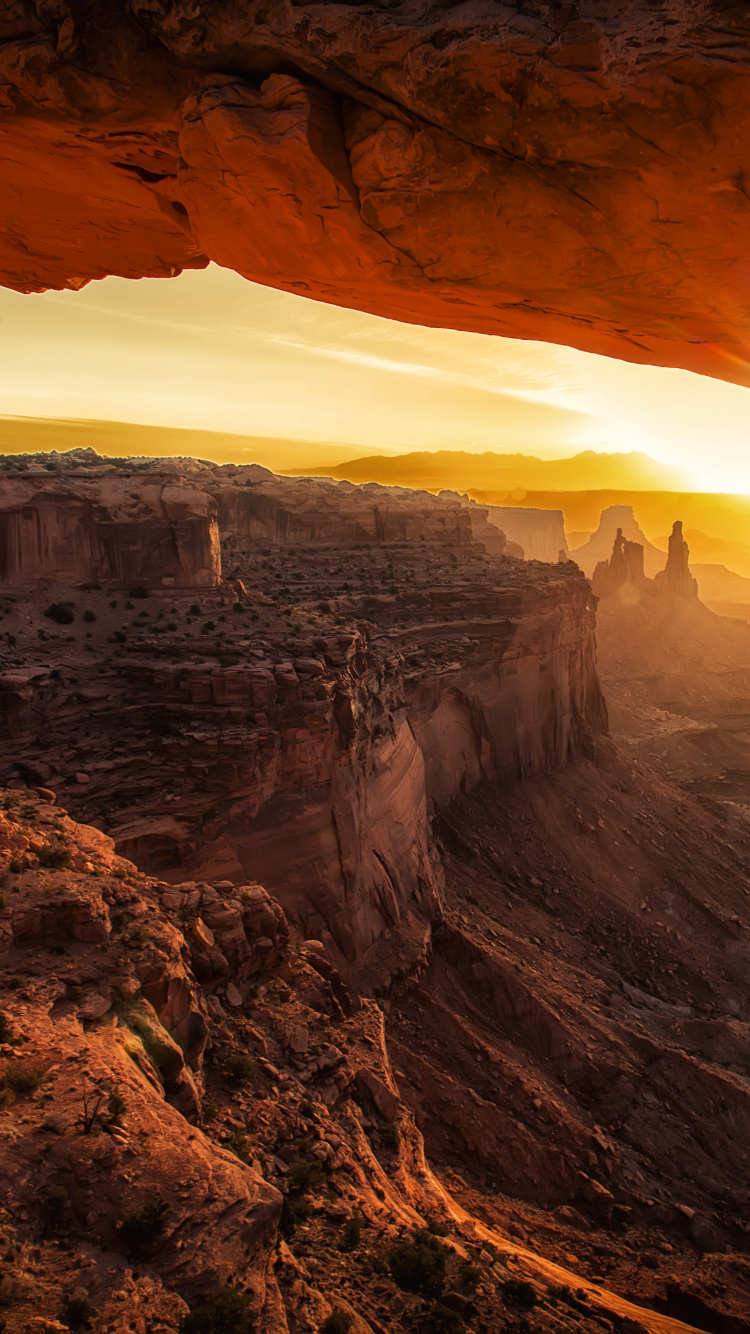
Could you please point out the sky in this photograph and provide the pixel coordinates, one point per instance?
(210, 350)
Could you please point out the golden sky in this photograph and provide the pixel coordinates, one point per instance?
(210, 350)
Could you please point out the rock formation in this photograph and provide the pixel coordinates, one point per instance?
(624, 569)
(77, 529)
(199, 747)
(623, 576)
(540, 533)
(399, 941)
(510, 170)
(676, 577)
(616, 519)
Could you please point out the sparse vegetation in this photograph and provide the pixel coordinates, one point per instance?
(226, 1313)
(352, 1232)
(470, 1276)
(240, 1068)
(140, 591)
(142, 1227)
(55, 856)
(239, 1145)
(293, 1212)
(517, 1292)
(62, 613)
(6, 1032)
(20, 1079)
(338, 1322)
(305, 1176)
(116, 1107)
(441, 1320)
(89, 616)
(419, 1265)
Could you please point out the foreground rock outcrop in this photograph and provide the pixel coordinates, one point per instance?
(530, 170)
(169, 1129)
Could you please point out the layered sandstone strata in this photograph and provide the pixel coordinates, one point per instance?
(73, 529)
(528, 169)
(357, 687)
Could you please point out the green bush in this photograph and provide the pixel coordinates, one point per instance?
(293, 1212)
(304, 1176)
(239, 1145)
(441, 1320)
(338, 1322)
(225, 1314)
(55, 856)
(419, 1265)
(517, 1292)
(142, 1227)
(21, 1079)
(240, 1068)
(352, 1233)
(470, 1276)
(62, 613)
(116, 1107)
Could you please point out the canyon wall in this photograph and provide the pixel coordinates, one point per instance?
(499, 169)
(97, 529)
(541, 533)
(313, 755)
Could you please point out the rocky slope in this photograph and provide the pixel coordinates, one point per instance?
(192, 1099)
(530, 169)
(399, 937)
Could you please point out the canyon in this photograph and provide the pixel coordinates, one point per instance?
(529, 169)
(330, 869)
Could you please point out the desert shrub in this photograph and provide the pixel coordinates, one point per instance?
(390, 1138)
(517, 1292)
(239, 1145)
(438, 1228)
(16, 865)
(55, 856)
(62, 613)
(306, 1108)
(195, 609)
(304, 1176)
(21, 1079)
(6, 1032)
(78, 1313)
(352, 1232)
(226, 1313)
(140, 591)
(338, 1322)
(210, 1109)
(293, 1212)
(89, 616)
(470, 1276)
(240, 1068)
(116, 1107)
(419, 1265)
(140, 1228)
(561, 1293)
(441, 1320)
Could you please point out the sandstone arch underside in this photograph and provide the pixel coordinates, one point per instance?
(575, 174)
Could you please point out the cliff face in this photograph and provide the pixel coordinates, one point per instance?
(89, 529)
(313, 758)
(541, 533)
(506, 170)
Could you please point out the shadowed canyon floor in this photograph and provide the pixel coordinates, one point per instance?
(411, 939)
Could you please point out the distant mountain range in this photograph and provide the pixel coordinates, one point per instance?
(511, 473)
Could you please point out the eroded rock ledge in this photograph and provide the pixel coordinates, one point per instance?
(569, 173)
(370, 653)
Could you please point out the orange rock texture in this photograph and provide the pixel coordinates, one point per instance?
(570, 173)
